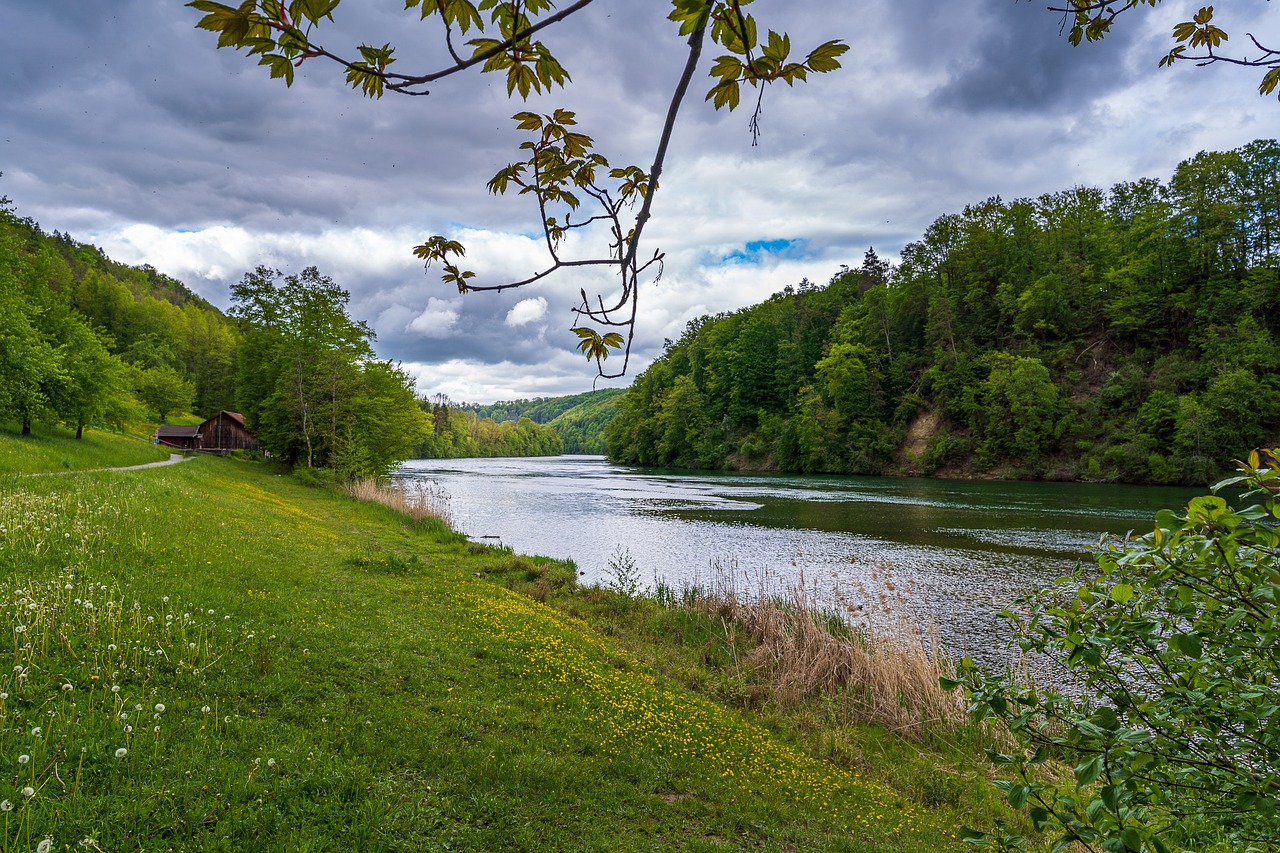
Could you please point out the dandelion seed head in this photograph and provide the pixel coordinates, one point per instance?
(115, 688)
(23, 759)
(121, 752)
(271, 762)
(159, 707)
(28, 792)
(36, 732)
(6, 806)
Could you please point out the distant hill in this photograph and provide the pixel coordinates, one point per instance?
(579, 419)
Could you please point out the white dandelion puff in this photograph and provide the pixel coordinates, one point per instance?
(121, 752)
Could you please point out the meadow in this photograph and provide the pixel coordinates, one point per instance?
(212, 656)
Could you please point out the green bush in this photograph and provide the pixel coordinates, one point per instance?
(1166, 696)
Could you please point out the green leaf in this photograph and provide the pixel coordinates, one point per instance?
(1087, 771)
(1121, 593)
(825, 57)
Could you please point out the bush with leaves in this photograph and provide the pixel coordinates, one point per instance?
(1167, 705)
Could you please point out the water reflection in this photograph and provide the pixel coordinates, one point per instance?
(954, 552)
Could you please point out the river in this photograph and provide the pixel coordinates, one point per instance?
(947, 554)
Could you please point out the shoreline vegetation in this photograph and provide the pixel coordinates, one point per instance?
(323, 672)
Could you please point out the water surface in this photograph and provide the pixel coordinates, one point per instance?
(945, 553)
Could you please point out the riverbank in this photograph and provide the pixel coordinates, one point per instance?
(315, 672)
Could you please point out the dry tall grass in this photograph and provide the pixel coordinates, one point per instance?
(418, 499)
(884, 671)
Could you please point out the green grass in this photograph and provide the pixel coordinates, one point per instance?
(370, 683)
(56, 449)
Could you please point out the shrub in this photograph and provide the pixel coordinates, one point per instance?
(1169, 709)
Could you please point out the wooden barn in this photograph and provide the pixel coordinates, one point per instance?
(223, 432)
(181, 437)
(226, 431)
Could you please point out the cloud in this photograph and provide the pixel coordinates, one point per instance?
(437, 320)
(527, 311)
(127, 129)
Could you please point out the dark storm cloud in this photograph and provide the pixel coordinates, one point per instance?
(1021, 63)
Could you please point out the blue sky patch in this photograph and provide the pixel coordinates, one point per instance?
(755, 250)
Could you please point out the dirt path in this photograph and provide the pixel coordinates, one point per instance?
(174, 459)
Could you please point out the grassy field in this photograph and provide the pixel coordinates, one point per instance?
(212, 657)
(56, 449)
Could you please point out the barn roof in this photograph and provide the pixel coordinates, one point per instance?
(176, 431)
(235, 416)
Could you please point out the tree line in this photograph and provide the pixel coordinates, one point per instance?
(460, 432)
(579, 419)
(1126, 335)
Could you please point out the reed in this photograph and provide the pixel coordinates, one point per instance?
(418, 499)
(883, 670)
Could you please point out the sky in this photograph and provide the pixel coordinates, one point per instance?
(122, 125)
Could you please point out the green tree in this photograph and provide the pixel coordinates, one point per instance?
(308, 382)
(92, 386)
(1021, 409)
(164, 391)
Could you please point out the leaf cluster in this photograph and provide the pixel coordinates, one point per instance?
(1091, 20)
(1170, 648)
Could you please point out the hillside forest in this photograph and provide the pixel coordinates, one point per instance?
(578, 419)
(1124, 335)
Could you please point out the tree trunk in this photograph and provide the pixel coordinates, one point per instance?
(79, 431)
(26, 425)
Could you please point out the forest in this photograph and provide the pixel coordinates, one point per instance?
(459, 432)
(579, 419)
(87, 341)
(1125, 335)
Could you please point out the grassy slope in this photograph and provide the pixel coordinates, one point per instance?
(56, 449)
(372, 688)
